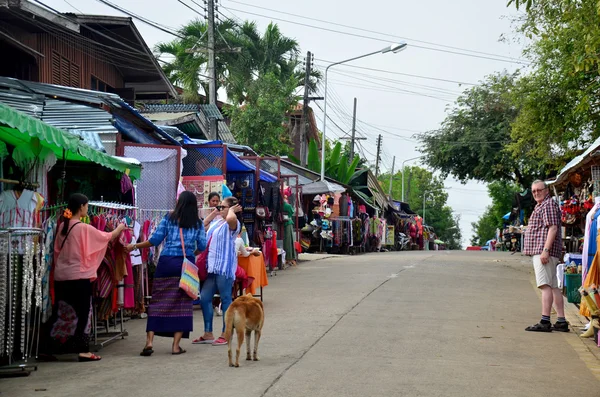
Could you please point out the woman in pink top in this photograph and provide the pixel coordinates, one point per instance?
(78, 251)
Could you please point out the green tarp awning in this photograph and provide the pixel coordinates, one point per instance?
(17, 128)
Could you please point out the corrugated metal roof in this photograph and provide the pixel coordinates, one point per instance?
(170, 107)
(58, 91)
(212, 111)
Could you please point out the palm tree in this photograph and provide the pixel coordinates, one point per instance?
(270, 52)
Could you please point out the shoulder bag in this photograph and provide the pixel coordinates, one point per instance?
(189, 281)
(202, 262)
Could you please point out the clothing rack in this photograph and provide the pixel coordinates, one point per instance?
(107, 336)
(21, 270)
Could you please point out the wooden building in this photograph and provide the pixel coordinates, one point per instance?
(101, 53)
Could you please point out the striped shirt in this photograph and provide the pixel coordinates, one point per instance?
(168, 231)
(222, 258)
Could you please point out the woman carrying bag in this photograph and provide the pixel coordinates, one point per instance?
(170, 313)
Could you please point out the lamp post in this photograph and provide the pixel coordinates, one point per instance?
(395, 48)
(424, 200)
(403, 163)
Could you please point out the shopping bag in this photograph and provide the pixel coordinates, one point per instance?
(189, 281)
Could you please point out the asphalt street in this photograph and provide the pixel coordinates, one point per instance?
(387, 324)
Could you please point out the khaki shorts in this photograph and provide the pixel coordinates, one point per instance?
(545, 274)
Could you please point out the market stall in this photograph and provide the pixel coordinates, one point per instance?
(29, 150)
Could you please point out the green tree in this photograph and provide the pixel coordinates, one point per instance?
(502, 194)
(484, 228)
(422, 186)
(472, 143)
(557, 101)
(260, 122)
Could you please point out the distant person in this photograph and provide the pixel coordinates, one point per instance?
(544, 244)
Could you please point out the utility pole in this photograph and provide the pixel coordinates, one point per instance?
(392, 176)
(304, 129)
(212, 81)
(379, 139)
(353, 133)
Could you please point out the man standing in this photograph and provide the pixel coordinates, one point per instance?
(544, 244)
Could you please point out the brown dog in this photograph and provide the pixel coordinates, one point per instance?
(245, 314)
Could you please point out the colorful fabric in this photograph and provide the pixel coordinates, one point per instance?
(546, 214)
(70, 325)
(81, 254)
(222, 258)
(168, 231)
(170, 310)
(289, 211)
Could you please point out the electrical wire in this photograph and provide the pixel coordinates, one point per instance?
(326, 63)
(379, 33)
(375, 38)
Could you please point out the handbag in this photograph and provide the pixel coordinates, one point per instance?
(189, 281)
(202, 262)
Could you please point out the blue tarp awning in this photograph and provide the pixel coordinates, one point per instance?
(235, 164)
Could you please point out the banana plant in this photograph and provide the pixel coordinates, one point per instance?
(336, 165)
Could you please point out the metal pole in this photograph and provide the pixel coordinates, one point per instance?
(353, 133)
(324, 134)
(212, 81)
(403, 167)
(304, 124)
(392, 175)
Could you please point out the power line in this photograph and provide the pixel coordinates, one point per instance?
(397, 73)
(379, 33)
(142, 19)
(374, 38)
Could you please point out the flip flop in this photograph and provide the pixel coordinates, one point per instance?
(93, 357)
(181, 351)
(202, 341)
(147, 352)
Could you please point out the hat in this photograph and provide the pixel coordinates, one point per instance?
(317, 198)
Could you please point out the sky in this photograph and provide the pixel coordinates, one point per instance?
(391, 104)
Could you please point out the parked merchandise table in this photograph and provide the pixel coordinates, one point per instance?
(255, 267)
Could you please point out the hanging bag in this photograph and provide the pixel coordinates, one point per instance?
(202, 262)
(189, 281)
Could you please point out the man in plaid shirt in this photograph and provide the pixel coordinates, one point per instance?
(544, 244)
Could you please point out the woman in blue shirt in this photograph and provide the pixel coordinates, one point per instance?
(170, 312)
(221, 265)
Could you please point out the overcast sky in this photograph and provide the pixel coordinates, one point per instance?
(384, 105)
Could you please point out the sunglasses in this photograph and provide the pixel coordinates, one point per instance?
(221, 207)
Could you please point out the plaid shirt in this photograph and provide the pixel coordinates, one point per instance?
(168, 231)
(545, 214)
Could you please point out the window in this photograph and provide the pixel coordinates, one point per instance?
(65, 72)
(99, 85)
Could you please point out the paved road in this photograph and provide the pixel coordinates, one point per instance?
(393, 324)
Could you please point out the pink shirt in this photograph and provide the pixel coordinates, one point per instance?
(82, 253)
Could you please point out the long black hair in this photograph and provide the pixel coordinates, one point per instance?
(186, 211)
(76, 201)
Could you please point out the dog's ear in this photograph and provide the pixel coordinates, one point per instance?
(249, 295)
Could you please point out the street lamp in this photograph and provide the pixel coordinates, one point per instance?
(403, 163)
(395, 48)
(424, 199)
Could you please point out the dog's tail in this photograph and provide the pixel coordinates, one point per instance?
(229, 324)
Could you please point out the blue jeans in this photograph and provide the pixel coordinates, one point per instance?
(213, 283)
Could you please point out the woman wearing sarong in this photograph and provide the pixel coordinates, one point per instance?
(170, 313)
(78, 252)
